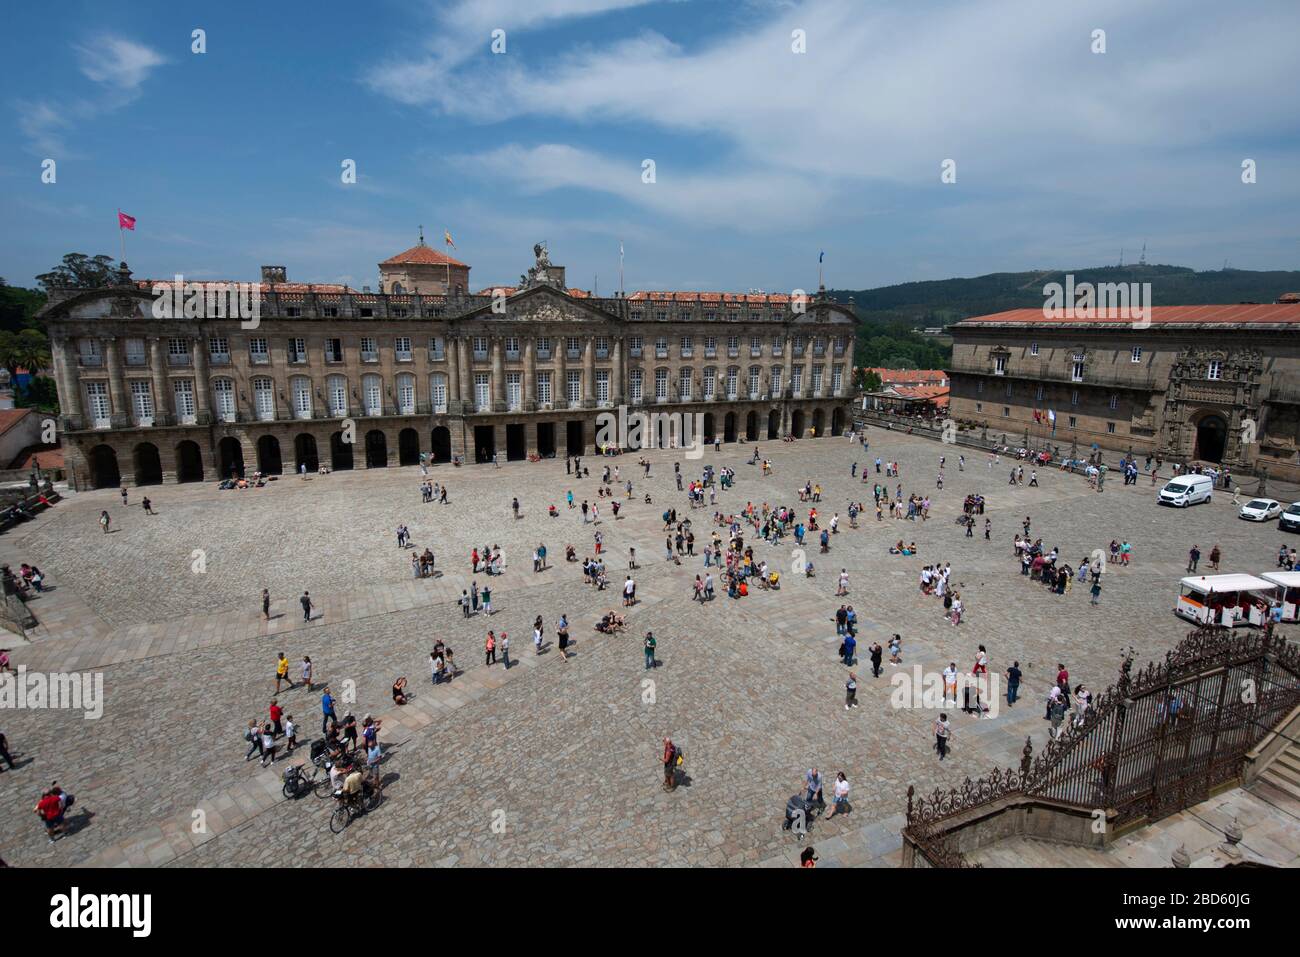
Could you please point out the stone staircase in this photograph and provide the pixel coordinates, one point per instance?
(1280, 781)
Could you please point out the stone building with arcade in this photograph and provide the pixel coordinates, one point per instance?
(1210, 384)
(323, 375)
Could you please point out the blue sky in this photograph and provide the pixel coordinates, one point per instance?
(232, 158)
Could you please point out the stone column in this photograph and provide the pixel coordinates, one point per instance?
(69, 386)
(498, 376)
(559, 378)
(453, 373)
(589, 373)
(466, 379)
(120, 417)
(530, 385)
(162, 397)
(787, 350)
(616, 372)
(199, 358)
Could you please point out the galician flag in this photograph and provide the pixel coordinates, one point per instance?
(125, 222)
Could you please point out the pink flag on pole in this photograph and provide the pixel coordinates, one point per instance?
(125, 222)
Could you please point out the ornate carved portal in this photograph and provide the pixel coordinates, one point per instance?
(1212, 406)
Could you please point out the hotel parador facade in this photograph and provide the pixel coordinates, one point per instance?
(328, 376)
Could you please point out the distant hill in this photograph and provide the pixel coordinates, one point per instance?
(944, 301)
(888, 315)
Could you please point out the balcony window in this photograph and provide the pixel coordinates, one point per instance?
(368, 351)
(480, 345)
(333, 350)
(135, 354)
(661, 347)
(1076, 371)
(257, 352)
(402, 349)
(436, 353)
(297, 350)
(512, 347)
(634, 346)
(178, 352)
(97, 404)
(602, 347)
(219, 351)
(572, 347)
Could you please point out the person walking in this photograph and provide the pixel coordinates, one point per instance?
(290, 734)
(305, 601)
(1193, 558)
(942, 732)
(1215, 555)
(306, 673)
(269, 746)
(147, 506)
(1096, 592)
(839, 794)
(650, 645)
(282, 672)
(253, 735)
(851, 692)
(104, 520)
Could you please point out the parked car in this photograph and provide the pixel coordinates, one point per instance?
(1289, 521)
(1186, 490)
(1260, 510)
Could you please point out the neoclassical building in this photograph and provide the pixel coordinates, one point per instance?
(1210, 383)
(324, 375)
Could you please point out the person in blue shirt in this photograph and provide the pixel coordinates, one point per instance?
(327, 710)
(850, 646)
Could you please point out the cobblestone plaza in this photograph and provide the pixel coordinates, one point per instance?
(553, 763)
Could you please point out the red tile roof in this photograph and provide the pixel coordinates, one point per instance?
(888, 376)
(1246, 313)
(11, 417)
(722, 297)
(46, 456)
(421, 255)
(283, 288)
(511, 290)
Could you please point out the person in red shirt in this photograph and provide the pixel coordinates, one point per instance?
(670, 765)
(1063, 679)
(276, 713)
(50, 810)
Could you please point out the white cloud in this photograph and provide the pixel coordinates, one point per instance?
(117, 62)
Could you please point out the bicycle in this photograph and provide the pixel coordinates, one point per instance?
(353, 807)
(296, 784)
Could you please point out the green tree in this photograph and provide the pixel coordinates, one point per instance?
(79, 271)
(32, 351)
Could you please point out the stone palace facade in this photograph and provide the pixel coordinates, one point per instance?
(1215, 384)
(326, 376)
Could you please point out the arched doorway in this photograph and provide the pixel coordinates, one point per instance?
(232, 457)
(340, 453)
(796, 423)
(441, 444)
(189, 462)
(837, 421)
(268, 455)
(751, 426)
(710, 429)
(408, 447)
(148, 464)
(304, 453)
(1211, 438)
(819, 423)
(104, 472)
(729, 427)
(774, 424)
(376, 449)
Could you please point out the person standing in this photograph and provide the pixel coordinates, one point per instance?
(305, 601)
(849, 647)
(104, 520)
(326, 709)
(670, 765)
(877, 654)
(266, 604)
(504, 645)
(1013, 683)
(650, 644)
(487, 600)
(269, 746)
(1096, 592)
(276, 713)
(490, 649)
(1193, 558)
(537, 635)
(147, 506)
(306, 673)
(1215, 555)
(851, 692)
(124, 496)
(290, 734)
(942, 732)
(562, 637)
(629, 592)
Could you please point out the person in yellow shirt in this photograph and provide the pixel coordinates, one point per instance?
(282, 672)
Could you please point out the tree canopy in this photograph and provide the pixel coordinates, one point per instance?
(78, 271)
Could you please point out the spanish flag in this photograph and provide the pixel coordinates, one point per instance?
(446, 238)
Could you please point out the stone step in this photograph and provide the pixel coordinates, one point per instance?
(1286, 770)
(1283, 784)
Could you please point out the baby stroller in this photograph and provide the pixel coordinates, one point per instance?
(799, 812)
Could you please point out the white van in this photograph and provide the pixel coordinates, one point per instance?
(1186, 490)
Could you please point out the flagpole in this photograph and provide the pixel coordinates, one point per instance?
(121, 233)
(620, 269)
